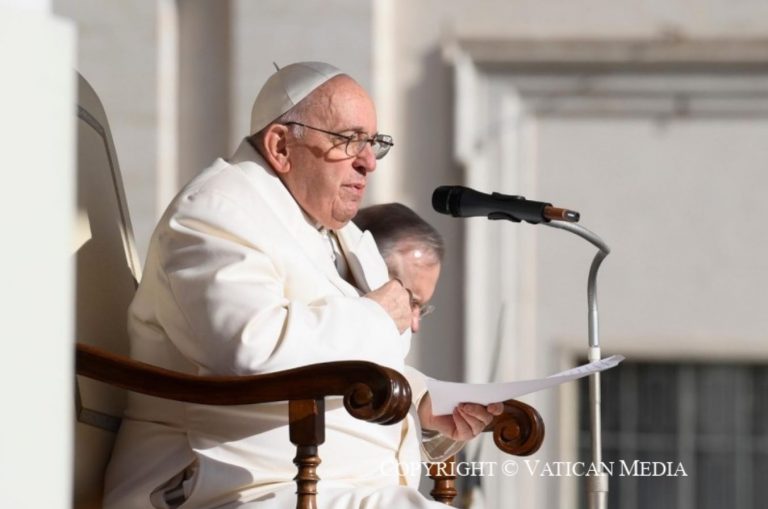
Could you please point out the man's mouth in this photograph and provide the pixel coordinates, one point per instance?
(357, 187)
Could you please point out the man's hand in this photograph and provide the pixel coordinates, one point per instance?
(396, 301)
(466, 421)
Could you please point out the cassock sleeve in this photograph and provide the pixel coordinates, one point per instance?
(434, 446)
(232, 310)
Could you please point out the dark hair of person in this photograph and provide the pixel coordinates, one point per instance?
(394, 224)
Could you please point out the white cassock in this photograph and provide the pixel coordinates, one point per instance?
(238, 281)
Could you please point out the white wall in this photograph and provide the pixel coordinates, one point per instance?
(126, 52)
(37, 98)
(334, 31)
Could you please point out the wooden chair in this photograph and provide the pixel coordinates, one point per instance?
(108, 272)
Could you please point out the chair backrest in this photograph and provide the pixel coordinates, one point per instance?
(108, 272)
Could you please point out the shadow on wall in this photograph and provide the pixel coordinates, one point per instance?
(428, 161)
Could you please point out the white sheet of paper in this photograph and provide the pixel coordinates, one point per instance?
(446, 395)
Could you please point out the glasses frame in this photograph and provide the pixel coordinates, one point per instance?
(383, 140)
(424, 309)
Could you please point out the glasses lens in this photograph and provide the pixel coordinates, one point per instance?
(381, 145)
(355, 146)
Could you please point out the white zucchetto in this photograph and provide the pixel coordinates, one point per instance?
(287, 87)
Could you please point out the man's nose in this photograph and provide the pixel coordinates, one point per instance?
(366, 160)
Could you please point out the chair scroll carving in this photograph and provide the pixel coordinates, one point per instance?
(518, 431)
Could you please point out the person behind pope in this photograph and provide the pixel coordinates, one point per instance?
(412, 249)
(255, 267)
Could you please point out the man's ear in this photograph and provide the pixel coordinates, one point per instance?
(275, 147)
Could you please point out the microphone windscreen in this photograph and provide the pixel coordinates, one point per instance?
(441, 199)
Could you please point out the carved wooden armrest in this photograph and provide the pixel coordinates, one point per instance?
(519, 431)
(371, 393)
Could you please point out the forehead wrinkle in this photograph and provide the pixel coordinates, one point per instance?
(350, 91)
(320, 107)
(324, 110)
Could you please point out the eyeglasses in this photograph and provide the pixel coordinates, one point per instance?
(424, 309)
(380, 143)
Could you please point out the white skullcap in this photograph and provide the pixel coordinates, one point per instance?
(287, 87)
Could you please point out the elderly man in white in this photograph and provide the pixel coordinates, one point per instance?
(255, 267)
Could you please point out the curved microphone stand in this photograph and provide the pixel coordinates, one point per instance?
(460, 201)
(597, 485)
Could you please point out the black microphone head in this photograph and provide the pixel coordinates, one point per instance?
(445, 199)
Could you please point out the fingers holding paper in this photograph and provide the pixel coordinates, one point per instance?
(465, 422)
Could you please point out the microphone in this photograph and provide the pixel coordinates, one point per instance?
(460, 201)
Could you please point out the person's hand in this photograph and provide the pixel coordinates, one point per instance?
(396, 301)
(466, 421)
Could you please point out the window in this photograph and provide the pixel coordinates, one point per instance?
(711, 418)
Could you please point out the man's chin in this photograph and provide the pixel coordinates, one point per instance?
(341, 218)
